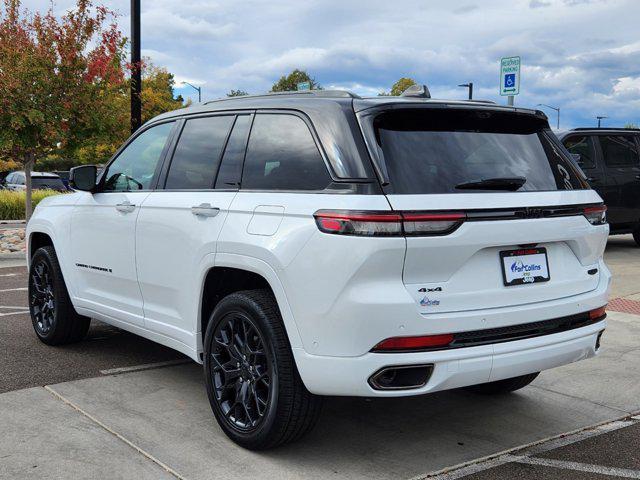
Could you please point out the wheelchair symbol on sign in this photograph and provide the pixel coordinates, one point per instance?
(510, 80)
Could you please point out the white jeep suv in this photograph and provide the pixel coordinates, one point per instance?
(319, 243)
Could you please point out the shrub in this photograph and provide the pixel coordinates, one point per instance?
(12, 204)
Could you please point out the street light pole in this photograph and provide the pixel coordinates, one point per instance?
(470, 87)
(557, 109)
(136, 67)
(600, 118)
(198, 89)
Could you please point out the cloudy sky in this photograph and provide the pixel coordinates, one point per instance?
(580, 55)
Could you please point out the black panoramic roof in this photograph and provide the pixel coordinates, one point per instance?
(327, 100)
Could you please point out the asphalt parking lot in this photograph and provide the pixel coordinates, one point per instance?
(99, 409)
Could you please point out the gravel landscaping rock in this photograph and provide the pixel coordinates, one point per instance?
(12, 241)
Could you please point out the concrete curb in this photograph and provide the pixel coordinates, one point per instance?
(12, 256)
(9, 222)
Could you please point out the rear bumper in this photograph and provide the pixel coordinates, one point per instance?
(456, 368)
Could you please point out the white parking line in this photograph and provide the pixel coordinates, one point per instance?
(21, 289)
(535, 448)
(9, 274)
(576, 466)
(146, 366)
(6, 314)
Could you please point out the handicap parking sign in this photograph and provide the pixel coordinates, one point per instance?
(509, 80)
(510, 76)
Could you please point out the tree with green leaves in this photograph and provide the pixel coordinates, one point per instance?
(631, 125)
(289, 83)
(237, 93)
(399, 87)
(51, 72)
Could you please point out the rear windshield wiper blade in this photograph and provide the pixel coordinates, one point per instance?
(511, 184)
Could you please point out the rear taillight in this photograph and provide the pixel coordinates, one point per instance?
(372, 224)
(597, 313)
(397, 344)
(596, 215)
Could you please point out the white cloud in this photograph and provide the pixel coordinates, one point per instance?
(578, 54)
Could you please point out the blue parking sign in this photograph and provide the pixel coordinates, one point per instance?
(510, 80)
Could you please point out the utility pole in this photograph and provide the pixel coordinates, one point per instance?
(470, 87)
(600, 118)
(557, 109)
(136, 67)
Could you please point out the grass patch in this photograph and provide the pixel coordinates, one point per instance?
(12, 204)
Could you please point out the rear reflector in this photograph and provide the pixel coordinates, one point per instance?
(596, 215)
(597, 313)
(413, 343)
(372, 224)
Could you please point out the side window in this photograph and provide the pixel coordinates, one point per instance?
(134, 168)
(583, 146)
(619, 150)
(197, 156)
(21, 179)
(282, 155)
(9, 178)
(231, 166)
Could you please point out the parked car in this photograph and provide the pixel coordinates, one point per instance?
(16, 181)
(610, 160)
(318, 243)
(64, 176)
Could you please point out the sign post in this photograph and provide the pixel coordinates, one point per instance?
(303, 86)
(510, 78)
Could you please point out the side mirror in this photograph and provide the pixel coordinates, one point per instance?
(83, 178)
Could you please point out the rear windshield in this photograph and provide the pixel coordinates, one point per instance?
(439, 151)
(54, 183)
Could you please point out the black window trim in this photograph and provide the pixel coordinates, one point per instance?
(152, 184)
(316, 140)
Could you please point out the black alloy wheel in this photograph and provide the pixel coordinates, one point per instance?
(242, 371)
(54, 319)
(42, 297)
(253, 385)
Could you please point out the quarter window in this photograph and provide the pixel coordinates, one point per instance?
(135, 166)
(582, 146)
(282, 155)
(197, 155)
(619, 150)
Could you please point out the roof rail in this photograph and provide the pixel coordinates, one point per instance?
(624, 129)
(313, 93)
(491, 102)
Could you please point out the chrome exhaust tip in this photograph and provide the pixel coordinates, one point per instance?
(401, 377)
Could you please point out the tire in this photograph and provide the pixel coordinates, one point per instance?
(503, 386)
(53, 317)
(270, 380)
(636, 236)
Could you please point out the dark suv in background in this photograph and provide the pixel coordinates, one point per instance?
(610, 159)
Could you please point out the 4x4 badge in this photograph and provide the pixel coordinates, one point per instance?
(424, 289)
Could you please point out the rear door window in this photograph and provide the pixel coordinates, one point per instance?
(582, 145)
(438, 151)
(197, 155)
(230, 170)
(282, 155)
(619, 151)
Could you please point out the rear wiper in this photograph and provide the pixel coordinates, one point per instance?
(508, 183)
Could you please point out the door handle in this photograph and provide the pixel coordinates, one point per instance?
(205, 210)
(592, 179)
(637, 177)
(125, 207)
